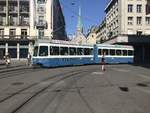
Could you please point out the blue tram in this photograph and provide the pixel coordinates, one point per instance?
(114, 53)
(54, 55)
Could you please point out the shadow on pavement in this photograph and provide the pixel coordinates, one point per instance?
(145, 65)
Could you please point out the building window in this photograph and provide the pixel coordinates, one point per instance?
(114, 25)
(117, 22)
(12, 33)
(41, 19)
(130, 20)
(130, 8)
(13, 20)
(139, 21)
(41, 1)
(41, 33)
(1, 32)
(139, 8)
(23, 33)
(139, 33)
(41, 9)
(147, 20)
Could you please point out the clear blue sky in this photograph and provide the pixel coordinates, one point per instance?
(92, 13)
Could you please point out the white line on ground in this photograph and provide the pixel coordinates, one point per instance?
(121, 70)
(144, 76)
(98, 73)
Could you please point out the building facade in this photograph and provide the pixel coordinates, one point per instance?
(101, 32)
(97, 34)
(127, 17)
(14, 28)
(128, 22)
(22, 22)
(47, 20)
(91, 36)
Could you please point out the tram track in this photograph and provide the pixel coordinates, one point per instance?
(18, 72)
(34, 84)
(66, 76)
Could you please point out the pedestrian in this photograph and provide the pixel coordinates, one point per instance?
(7, 60)
(29, 59)
(103, 62)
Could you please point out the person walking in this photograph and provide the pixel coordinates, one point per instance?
(7, 60)
(103, 62)
(29, 59)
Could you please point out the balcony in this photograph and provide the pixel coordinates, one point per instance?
(41, 24)
(13, 23)
(15, 38)
(24, 23)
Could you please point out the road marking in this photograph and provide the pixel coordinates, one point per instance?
(144, 76)
(98, 73)
(121, 70)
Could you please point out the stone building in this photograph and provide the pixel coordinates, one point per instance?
(22, 22)
(101, 32)
(128, 22)
(79, 38)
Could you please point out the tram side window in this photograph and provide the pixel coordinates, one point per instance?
(91, 51)
(72, 51)
(105, 51)
(118, 52)
(64, 50)
(54, 50)
(79, 51)
(35, 51)
(43, 51)
(87, 51)
(130, 53)
(112, 52)
(99, 52)
(124, 52)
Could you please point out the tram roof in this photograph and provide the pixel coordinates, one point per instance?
(57, 44)
(115, 46)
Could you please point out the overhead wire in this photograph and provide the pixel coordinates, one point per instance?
(76, 14)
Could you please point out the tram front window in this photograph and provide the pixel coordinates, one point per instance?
(35, 51)
(43, 51)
